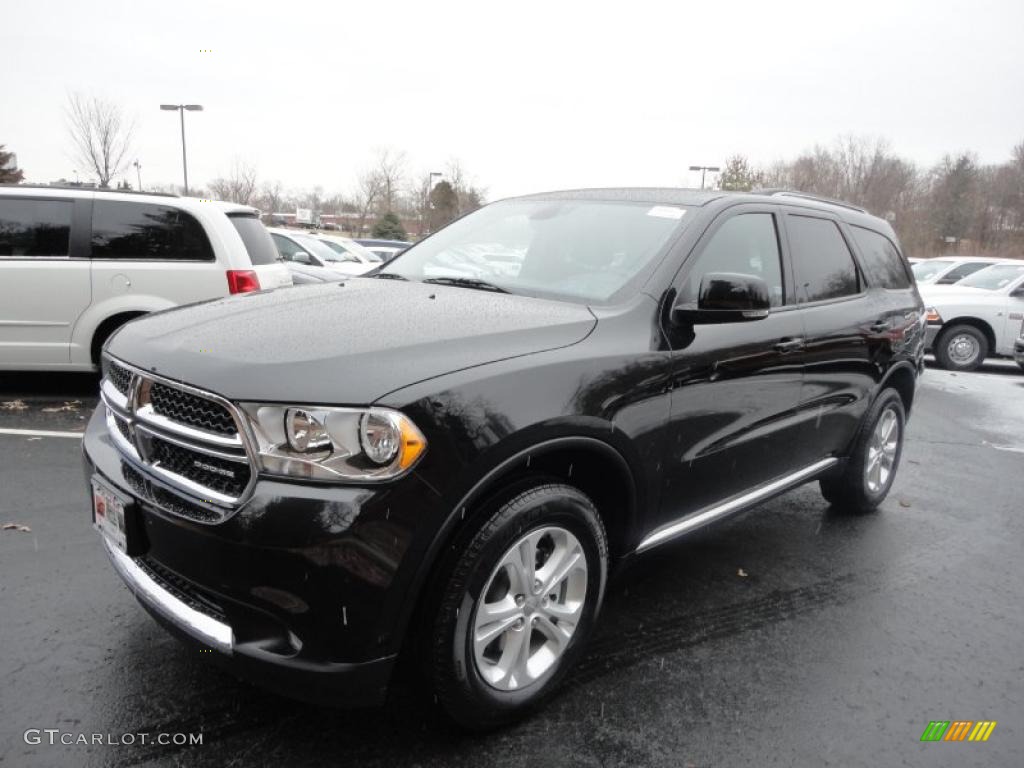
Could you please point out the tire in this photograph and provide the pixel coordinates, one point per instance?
(486, 684)
(856, 489)
(961, 348)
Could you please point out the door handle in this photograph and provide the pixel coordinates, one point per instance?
(881, 326)
(789, 345)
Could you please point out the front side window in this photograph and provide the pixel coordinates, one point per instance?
(577, 250)
(746, 244)
(129, 230)
(34, 227)
(994, 278)
(822, 263)
(959, 273)
(881, 259)
(286, 246)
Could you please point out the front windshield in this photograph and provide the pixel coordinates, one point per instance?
(350, 247)
(585, 250)
(994, 278)
(926, 270)
(317, 248)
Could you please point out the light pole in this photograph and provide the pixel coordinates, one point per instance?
(430, 188)
(181, 111)
(704, 169)
(138, 173)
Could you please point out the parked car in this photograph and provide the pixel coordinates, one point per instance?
(386, 249)
(304, 274)
(949, 270)
(458, 477)
(355, 258)
(76, 264)
(979, 316)
(1018, 350)
(305, 248)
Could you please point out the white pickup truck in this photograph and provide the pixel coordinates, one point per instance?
(982, 315)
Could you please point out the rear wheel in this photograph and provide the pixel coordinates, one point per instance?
(519, 603)
(869, 472)
(961, 348)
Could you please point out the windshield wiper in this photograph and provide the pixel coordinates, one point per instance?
(389, 276)
(466, 282)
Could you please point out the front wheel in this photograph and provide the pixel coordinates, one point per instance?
(871, 468)
(519, 603)
(961, 348)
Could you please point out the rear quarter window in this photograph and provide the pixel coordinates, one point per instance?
(34, 227)
(258, 243)
(148, 232)
(881, 259)
(822, 263)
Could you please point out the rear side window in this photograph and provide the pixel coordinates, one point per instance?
(822, 263)
(34, 227)
(123, 230)
(882, 262)
(257, 240)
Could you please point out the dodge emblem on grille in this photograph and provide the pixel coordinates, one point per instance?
(212, 468)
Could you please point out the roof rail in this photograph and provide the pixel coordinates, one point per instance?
(783, 192)
(84, 188)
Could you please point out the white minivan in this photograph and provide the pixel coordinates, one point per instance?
(76, 264)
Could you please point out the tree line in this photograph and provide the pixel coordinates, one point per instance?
(959, 205)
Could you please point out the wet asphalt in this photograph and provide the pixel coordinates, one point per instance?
(790, 635)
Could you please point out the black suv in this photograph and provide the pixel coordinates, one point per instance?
(447, 457)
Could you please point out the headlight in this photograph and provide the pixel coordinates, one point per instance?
(932, 315)
(339, 444)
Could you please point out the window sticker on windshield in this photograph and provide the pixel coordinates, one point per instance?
(666, 212)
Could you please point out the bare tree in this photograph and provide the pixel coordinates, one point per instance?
(271, 196)
(100, 135)
(469, 197)
(369, 189)
(390, 165)
(239, 186)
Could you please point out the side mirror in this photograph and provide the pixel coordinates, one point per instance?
(301, 256)
(727, 298)
(1018, 292)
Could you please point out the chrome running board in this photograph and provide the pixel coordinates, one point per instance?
(697, 519)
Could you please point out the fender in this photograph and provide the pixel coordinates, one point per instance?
(90, 320)
(447, 530)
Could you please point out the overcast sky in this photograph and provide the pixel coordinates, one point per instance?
(528, 95)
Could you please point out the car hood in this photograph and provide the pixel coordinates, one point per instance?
(952, 294)
(345, 343)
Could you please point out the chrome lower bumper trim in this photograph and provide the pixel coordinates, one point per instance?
(735, 504)
(198, 625)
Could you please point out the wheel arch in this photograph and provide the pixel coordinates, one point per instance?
(903, 378)
(982, 325)
(593, 466)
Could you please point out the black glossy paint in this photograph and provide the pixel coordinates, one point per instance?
(654, 418)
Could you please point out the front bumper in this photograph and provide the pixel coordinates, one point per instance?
(301, 589)
(1018, 351)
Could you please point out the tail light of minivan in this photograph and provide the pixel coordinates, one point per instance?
(243, 281)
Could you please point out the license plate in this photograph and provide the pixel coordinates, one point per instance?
(109, 515)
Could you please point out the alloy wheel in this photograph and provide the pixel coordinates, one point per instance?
(530, 608)
(882, 448)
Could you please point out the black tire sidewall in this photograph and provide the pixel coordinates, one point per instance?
(475, 701)
(941, 344)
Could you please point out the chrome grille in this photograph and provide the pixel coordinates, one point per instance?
(195, 411)
(188, 443)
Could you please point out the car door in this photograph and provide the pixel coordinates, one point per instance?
(845, 328)
(735, 386)
(44, 278)
(1013, 327)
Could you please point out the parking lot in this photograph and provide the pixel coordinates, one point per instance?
(787, 636)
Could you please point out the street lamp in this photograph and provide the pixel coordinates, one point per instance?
(430, 188)
(181, 111)
(138, 173)
(703, 169)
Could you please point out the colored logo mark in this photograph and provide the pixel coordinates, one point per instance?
(958, 730)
